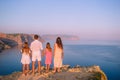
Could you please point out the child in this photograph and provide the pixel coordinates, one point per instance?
(48, 55)
(25, 60)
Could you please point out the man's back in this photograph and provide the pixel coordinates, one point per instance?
(36, 45)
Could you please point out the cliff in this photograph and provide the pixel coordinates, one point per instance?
(3, 46)
(67, 73)
(11, 40)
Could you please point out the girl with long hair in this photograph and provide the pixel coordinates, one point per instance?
(58, 54)
(48, 56)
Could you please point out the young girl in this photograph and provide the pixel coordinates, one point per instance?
(58, 54)
(48, 56)
(25, 60)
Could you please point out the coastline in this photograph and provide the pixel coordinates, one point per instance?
(67, 73)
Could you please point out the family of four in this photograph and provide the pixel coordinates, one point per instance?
(36, 51)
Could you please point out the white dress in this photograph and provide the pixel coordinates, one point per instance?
(58, 57)
(25, 58)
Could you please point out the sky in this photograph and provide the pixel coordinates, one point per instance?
(89, 19)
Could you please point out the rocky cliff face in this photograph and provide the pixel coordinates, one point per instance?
(11, 40)
(1, 45)
(5, 46)
(67, 73)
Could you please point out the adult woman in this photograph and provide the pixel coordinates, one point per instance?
(58, 54)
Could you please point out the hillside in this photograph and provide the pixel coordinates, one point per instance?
(11, 40)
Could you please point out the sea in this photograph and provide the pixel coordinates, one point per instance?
(105, 54)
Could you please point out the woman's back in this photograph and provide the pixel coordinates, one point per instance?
(57, 49)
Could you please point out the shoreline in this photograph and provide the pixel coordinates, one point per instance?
(67, 73)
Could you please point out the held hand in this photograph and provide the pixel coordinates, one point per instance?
(43, 53)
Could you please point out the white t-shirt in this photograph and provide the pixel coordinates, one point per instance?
(36, 46)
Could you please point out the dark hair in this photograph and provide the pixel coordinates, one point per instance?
(48, 46)
(25, 48)
(59, 42)
(35, 36)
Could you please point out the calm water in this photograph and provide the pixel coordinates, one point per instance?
(106, 56)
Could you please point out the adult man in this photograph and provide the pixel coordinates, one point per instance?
(36, 48)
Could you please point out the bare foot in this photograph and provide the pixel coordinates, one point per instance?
(47, 71)
(39, 72)
(23, 74)
(33, 74)
(54, 71)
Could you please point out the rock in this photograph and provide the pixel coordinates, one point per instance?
(11, 40)
(77, 66)
(1, 46)
(67, 73)
(7, 47)
(65, 67)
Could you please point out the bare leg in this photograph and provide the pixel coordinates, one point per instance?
(27, 65)
(48, 67)
(55, 69)
(23, 68)
(39, 66)
(33, 67)
(58, 69)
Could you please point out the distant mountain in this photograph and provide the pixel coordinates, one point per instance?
(11, 40)
(64, 37)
